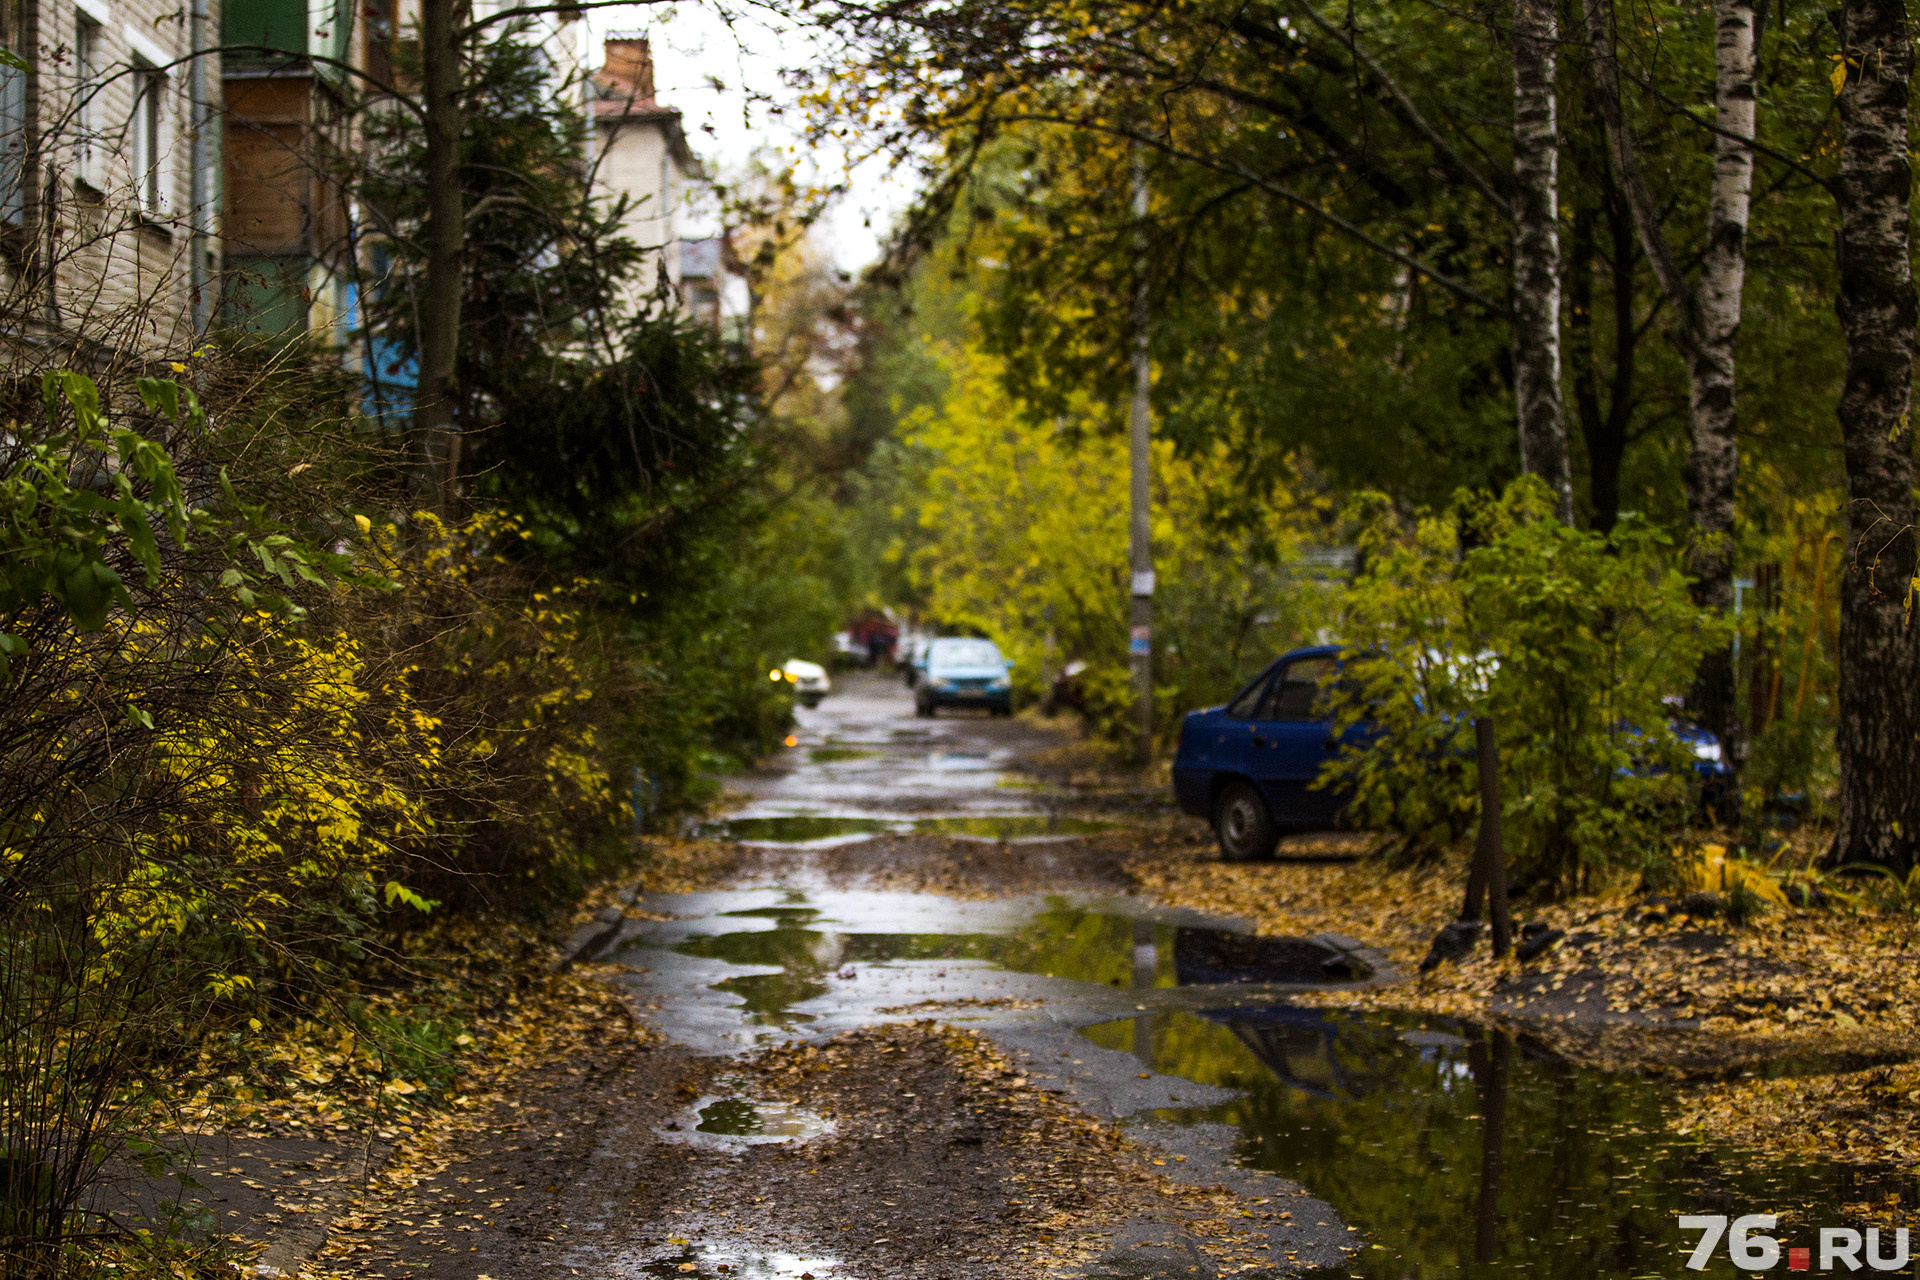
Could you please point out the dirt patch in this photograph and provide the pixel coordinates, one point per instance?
(941, 1161)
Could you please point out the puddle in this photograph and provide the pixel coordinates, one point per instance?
(1010, 826)
(709, 1260)
(1458, 1152)
(1214, 957)
(834, 755)
(811, 828)
(764, 1121)
(804, 951)
(729, 1122)
(796, 828)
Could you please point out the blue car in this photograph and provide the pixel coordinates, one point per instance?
(1248, 767)
(962, 672)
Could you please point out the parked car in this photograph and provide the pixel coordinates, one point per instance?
(809, 681)
(959, 672)
(1248, 767)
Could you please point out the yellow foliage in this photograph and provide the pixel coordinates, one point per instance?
(1709, 868)
(1028, 542)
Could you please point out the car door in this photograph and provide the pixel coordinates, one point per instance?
(1290, 738)
(1225, 738)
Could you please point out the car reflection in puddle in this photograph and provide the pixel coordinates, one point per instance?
(1462, 1153)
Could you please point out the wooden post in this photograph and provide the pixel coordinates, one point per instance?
(1489, 855)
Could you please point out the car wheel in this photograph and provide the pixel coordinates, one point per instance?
(1241, 822)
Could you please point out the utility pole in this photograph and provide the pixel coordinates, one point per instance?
(1140, 491)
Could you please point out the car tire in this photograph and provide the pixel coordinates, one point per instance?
(1242, 824)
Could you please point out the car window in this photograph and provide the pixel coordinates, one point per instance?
(1294, 693)
(964, 653)
(1241, 708)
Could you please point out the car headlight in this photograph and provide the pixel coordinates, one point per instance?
(1707, 751)
(999, 683)
(942, 683)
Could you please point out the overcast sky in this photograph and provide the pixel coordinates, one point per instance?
(693, 47)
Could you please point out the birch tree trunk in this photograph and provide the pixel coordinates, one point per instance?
(1536, 252)
(1707, 317)
(436, 440)
(1713, 454)
(1879, 730)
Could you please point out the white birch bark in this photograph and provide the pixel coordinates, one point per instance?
(1712, 451)
(1536, 252)
(1706, 317)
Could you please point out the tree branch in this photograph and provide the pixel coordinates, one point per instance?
(1605, 72)
(1410, 114)
(1459, 288)
(533, 11)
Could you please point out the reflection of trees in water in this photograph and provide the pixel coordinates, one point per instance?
(1469, 1155)
(1303, 1051)
(1068, 942)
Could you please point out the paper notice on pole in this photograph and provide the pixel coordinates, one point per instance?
(1141, 641)
(1143, 582)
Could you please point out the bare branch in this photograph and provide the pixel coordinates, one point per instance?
(534, 11)
(1411, 115)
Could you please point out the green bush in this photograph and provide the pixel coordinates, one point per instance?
(1576, 644)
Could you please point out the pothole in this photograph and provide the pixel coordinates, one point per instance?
(720, 1258)
(732, 1120)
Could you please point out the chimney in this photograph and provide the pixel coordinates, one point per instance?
(628, 69)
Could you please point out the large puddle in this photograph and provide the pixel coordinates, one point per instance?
(806, 950)
(1461, 1153)
(810, 828)
(1453, 1150)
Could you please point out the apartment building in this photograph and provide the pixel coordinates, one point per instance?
(108, 174)
(641, 156)
(286, 130)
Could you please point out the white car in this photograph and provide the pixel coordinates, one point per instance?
(809, 681)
